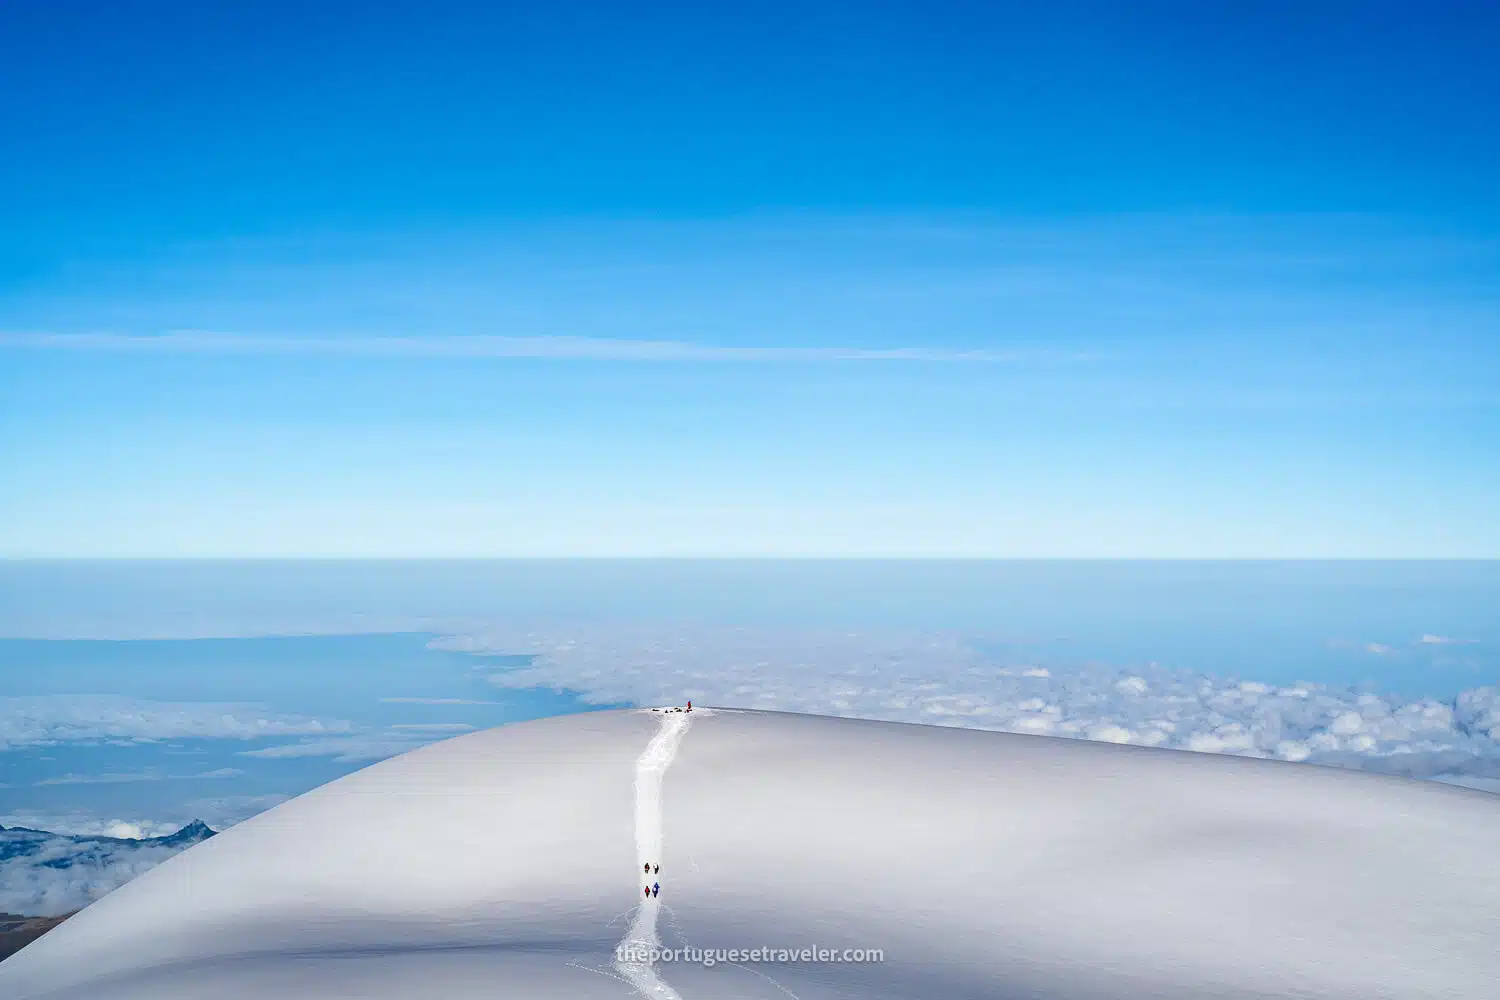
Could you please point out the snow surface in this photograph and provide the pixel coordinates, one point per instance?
(506, 863)
(649, 844)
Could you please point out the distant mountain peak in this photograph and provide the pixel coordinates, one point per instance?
(57, 872)
(192, 833)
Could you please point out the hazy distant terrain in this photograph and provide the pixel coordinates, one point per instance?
(46, 874)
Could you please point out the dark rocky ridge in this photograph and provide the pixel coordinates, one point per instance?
(16, 931)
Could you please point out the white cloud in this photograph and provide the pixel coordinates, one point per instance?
(436, 701)
(1477, 713)
(343, 750)
(79, 824)
(360, 747)
(1443, 640)
(943, 679)
(52, 719)
(433, 727)
(491, 346)
(100, 779)
(129, 776)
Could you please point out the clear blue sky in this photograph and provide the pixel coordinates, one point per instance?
(1126, 279)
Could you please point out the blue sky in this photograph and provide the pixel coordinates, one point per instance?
(955, 280)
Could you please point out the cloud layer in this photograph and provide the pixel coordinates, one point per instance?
(44, 873)
(53, 719)
(944, 680)
(130, 776)
(356, 749)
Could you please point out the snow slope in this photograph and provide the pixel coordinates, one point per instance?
(635, 962)
(505, 863)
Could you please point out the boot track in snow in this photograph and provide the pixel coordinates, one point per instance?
(642, 938)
